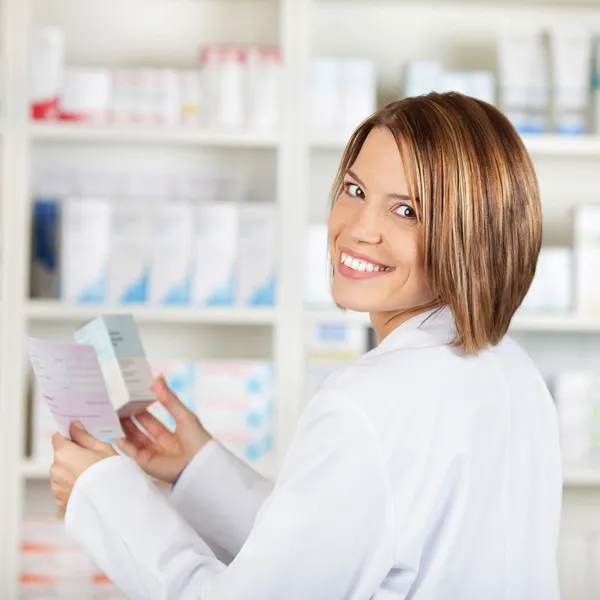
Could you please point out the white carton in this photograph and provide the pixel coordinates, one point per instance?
(235, 404)
(324, 94)
(47, 57)
(318, 265)
(130, 244)
(172, 253)
(86, 94)
(216, 254)
(85, 250)
(123, 362)
(257, 255)
(264, 82)
(552, 288)
(358, 88)
(587, 259)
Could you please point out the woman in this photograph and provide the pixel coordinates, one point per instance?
(429, 470)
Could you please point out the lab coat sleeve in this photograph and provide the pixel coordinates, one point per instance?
(326, 531)
(220, 496)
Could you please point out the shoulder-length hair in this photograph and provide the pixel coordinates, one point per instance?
(480, 206)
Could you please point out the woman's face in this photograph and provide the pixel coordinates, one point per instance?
(374, 235)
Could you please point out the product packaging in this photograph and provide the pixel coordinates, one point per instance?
(126, 371)
(85, 95)
(358, 92)
(46, 249)
(85, 250)
(172, 252)
(47, 57)
(257, 274)
(192, 98)
(421, 77)
(551, 291)
(216, 245)
(318, 267)
(235, 402)
(571, 61)
(263, 87)
(587, 259)
(130, 244)
(324, 94)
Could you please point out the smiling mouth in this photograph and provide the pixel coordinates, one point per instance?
(362, 266)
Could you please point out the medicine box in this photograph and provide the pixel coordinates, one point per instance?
(85, 250)
(123, 362)
(587, 259)
(216, 237)
(257, 255)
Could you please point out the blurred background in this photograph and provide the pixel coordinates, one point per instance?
(172, 159)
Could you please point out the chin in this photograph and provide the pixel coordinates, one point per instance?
(349, 301)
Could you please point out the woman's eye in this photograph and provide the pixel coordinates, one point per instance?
(405, 211)
(354, 190)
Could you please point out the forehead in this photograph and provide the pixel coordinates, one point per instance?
(379, 164)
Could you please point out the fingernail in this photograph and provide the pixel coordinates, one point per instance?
(78, 425)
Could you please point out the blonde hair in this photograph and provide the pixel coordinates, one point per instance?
(480, 206)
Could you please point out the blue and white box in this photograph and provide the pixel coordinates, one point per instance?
(85, 250)
(216, 253)
(46, 249)
(172, 253)
(126, 370)
(180, 376)
(257, 276)
(130, 243)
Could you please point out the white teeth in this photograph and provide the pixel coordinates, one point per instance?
(361, 265)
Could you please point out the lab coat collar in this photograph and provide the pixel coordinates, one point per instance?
(434, 327)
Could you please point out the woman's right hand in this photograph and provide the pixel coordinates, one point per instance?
(159, 452)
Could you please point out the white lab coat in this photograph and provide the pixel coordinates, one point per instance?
(416, 473)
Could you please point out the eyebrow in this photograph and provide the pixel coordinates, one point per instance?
(391, 196)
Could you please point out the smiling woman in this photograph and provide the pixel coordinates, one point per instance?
(430, 469)
(441, 190)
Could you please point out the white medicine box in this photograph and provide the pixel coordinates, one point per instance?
(587, 259)
(126, 370)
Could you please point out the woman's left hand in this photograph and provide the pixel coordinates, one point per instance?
(72, 458)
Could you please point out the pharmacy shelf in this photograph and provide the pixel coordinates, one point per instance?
(37, 310)
(178, 136)
(582, 476)
(538, 145)
(32, 469)
(525, 323)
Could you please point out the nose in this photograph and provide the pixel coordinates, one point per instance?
(365, 227)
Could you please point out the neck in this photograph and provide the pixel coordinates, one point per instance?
(385, 322)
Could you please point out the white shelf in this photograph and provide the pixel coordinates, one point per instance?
(57, 311)
(183, 136)
(32, 469)
(581, 476)
(541, 323)
(538, 145)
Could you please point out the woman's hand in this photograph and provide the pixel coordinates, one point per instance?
(72, 458)
(161, 453)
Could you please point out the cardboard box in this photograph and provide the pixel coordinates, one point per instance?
(123, 362)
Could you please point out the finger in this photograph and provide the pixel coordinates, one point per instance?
(82, 438)
(152, 425)
(127, 447)
(140, 439)
(170, 401)
(59, 441)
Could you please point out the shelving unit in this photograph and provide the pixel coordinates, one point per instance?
(168, 136)
(59, 312)
(304, 165)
